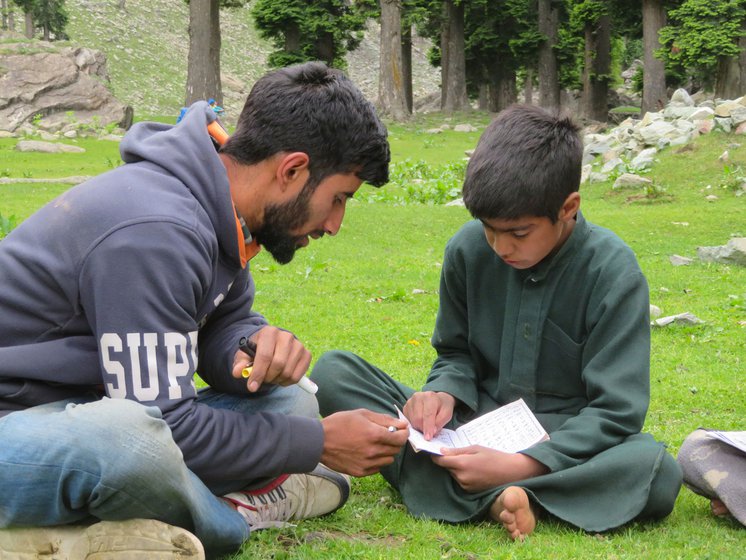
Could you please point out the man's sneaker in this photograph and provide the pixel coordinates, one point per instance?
(292, 497)
(135, 539)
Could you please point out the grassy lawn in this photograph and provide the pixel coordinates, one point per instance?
(373, 290)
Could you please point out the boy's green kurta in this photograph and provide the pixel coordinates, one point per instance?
(572, 338)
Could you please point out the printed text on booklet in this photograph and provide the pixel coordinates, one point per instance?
(510, 428)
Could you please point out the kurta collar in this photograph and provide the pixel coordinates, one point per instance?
(576, 239)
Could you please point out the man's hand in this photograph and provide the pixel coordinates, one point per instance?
(429, 411)
(359, 442)
(280, 359)
(478, 468)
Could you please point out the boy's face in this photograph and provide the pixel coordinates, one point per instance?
(525, 242)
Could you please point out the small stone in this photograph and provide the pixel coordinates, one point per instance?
(678, 260)
(631, 180)
(680, 319)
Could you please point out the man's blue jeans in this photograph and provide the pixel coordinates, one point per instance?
(79, 462)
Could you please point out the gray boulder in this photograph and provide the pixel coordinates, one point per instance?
(53, 88)
(734, 252)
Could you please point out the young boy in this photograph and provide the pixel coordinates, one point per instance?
(535, 303)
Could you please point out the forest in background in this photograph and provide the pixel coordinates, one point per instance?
(485, 52)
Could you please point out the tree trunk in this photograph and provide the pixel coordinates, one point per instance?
(597, 68)
(654, 95)
(731, 73)
(485, 97)
(392, 97)
(215, 86)
(203, 65)
(325, 48)
(4, 9)
(292, 38)
(528, 87)
(549, 88)
(453, 61)
(29, 25)
(406, 65)
(503, 92)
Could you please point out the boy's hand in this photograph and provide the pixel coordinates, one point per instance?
(478, 468)
(280, 359)
(359, 442)
(429, 411)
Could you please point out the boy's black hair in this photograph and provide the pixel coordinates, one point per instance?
(317, 110)
(526, 163)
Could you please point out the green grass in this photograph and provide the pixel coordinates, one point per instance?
(357, 292)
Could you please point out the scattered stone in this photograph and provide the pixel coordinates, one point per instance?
(626, 180)
(711, 197)
(738, 115)
(465, 128)
(734, 252)
(433, 131)
(726, 108)
(612, 165)
(456, 202)
(678, 260)
(596, 177)
(680, 319)
(46, 147)
(682, 97)
(724, 157)
(644, 159)
(705, 126)
(655, 311)
(702, 113)
(724, 124)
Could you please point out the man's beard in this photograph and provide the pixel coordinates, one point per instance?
(279, 220)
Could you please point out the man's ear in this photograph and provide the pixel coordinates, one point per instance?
(570, 206)
(292, 169)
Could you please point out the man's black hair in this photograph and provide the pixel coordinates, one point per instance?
(317, 110)
(526, 163)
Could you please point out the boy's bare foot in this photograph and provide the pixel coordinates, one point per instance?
(718, 508)
(513, 510)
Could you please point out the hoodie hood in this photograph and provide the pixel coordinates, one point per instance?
(186, 151)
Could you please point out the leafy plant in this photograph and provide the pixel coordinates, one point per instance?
(7, 224)
(416, 182)
(734, 177)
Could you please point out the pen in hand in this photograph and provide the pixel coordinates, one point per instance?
(249, 347)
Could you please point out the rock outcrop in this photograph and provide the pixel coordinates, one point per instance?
(633, 145)
(56, 89)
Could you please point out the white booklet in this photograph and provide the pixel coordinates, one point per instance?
(510, 428)
(734, 439)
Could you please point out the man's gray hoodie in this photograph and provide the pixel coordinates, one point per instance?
(128, 284)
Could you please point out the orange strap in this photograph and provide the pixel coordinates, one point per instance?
(217, 132)
(247, 251)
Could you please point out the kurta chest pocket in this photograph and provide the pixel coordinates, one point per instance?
(560, 363)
